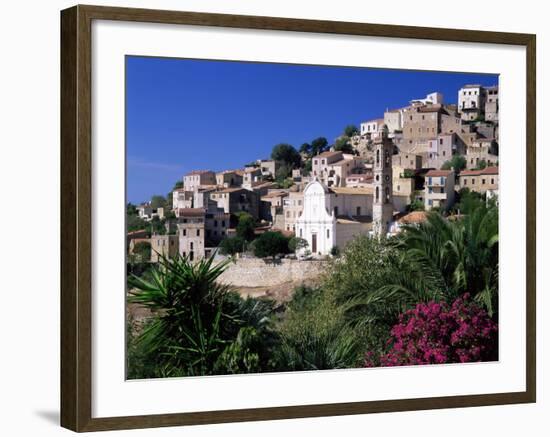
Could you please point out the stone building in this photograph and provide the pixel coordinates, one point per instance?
(251, 176)
(479, 180)
(372, 128)
(491, 103)
(476, 101)
(164, 245)
(182, 199)
(382, 212)
(440, 150)
(275, 200)
(268, 167)
(359, 180)
(439, 189)
(471, 101)
(200, 231)
(293, 205)
(233, 200)
(145, 211)
(406, 160)
(332, 168)
(229, 178)
(481, 149)
(196, 178)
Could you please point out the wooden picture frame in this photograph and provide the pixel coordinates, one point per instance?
(76, 219)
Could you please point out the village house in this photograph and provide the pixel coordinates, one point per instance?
(229, 178)
(332, 168)
(268, 167)
(359, 180)
(440, 150)
(402, 185)
(234, 200)
(251, 176)
(471, 99)
(478, 102)
(145, 211)
(196, 178)
(480, 181)
(182, 199)
(275, 199)
(439, 189)
(481, 149)
(393, 119)
(413, 218)
(293, 205)
(164, 245)
(491, 103)
(200, 231)
(407, 160)
(372, 128)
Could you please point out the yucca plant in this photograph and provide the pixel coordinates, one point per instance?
(185, 335)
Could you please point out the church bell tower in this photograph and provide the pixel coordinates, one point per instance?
(382, 207)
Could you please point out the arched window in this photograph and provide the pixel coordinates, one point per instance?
(387, 158)
(378, 156)
(387, 195)
(377, 194)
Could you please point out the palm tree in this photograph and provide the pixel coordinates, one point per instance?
(442, 259)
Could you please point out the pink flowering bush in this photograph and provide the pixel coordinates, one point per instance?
(436, 333)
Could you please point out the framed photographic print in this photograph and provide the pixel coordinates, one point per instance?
(268, 218)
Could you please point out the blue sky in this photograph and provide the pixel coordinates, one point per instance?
(193, 114)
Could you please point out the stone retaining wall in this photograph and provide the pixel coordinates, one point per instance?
(255, 272)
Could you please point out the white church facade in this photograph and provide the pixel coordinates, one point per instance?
(332, 217)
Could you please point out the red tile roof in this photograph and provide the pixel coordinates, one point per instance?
(414, 217)
(439, 173)
(486, 170)
(328, 154)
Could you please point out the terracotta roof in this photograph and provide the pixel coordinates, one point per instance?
(191, 212)
(486, 170)
(206, 188)
(230, 190)
(253, 170)
(414, 217)
(275, 194)
(262, 184)
(329, 154)
(439, 173)
(140, 231)
(198, 172)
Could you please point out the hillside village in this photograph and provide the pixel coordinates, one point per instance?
(375, 178)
